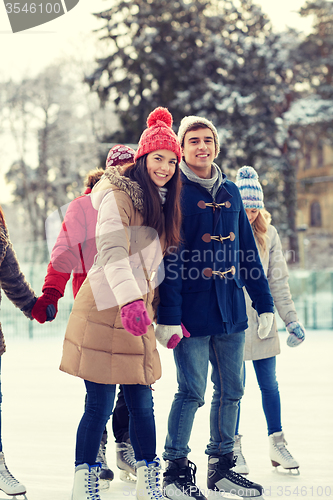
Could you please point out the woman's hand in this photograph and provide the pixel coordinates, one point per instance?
(135, 319)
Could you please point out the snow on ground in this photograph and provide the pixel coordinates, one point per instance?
(42, 407)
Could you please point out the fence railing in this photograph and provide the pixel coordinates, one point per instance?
(312, 293)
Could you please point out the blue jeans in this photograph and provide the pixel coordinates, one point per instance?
(225, 352)
(99, 405)
(266, 376)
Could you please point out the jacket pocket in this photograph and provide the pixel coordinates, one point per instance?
(238, 303)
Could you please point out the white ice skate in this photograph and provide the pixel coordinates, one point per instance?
(148, 486)
(126, 461)
(279, 454)
(241, 466)
(8, 483)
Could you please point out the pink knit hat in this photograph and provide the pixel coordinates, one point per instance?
(120, 155)
(159, 134)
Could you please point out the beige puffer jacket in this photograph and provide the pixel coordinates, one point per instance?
(276, 270)
(96, 346)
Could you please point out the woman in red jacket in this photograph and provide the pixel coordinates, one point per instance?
(74, 252)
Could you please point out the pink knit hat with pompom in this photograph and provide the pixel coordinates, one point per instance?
(159, 134)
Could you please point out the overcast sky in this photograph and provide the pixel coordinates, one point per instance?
(31, 50)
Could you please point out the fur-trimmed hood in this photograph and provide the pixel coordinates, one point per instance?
(4, 242)
(113, 179)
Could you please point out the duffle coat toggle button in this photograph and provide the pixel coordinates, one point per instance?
(208, 272)
(202, 204)
(208, 237)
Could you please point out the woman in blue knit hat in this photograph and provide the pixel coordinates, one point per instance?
(263, 352)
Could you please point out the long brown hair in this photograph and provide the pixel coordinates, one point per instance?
(2, 218)
(152, 202)
(260, 227)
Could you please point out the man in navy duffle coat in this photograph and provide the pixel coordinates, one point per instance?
(202, 296)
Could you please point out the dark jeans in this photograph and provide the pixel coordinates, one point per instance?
(266, 376)
(120, 419)
(98, 408)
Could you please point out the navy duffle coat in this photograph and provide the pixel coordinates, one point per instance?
(217, 238)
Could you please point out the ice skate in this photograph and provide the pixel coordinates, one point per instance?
(148, 486)
(241, 466)
(106, 475)
(222, 478)
(179, 480)
(8, 483)
(86, 481)
(279, 454)
(126, 461)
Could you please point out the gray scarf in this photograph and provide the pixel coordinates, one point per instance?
(212, 184)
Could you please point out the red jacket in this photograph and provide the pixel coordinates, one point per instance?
(75, 247)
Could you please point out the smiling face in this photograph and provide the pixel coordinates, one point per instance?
(252, 214)
(199, 151)
(161, 166)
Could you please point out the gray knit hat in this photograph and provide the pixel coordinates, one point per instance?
(187, 123)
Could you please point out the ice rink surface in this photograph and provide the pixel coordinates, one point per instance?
(42, 407)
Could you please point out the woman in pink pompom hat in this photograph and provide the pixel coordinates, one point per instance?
(110, 338)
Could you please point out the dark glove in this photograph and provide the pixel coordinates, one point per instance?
(46, 307)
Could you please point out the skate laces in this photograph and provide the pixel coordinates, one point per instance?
(186, 475)
(7, 477)
(92, 483)
(280, 446)
(238, 479)
(128, 454)
(101, 456)
(153, 479)
(240, 459)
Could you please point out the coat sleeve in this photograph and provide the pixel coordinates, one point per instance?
(170, 291)
(278, 276)
(113, 246)
(252, 272)
(14, 284)
(67, 254)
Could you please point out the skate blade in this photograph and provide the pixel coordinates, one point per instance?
(104, 484)
(18, 496)
(215, 495)
(128, 477)
(286, 472)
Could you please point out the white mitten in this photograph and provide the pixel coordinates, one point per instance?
(170, 335)
(265, 324)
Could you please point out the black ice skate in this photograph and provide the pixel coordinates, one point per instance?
(126, 461)
(106, 475)
(179, 480)
(222, 478)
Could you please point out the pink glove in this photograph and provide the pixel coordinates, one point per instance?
(175, 339)
(170, 335)
(135, 319)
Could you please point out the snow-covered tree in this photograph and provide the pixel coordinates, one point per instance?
(57, 130)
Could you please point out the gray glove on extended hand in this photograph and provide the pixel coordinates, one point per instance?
(296, 333)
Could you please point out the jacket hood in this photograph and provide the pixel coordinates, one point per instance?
(112, 179)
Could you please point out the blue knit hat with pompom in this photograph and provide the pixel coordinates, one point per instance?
(249, 187)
